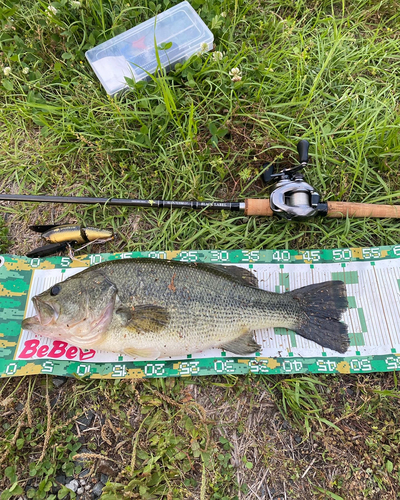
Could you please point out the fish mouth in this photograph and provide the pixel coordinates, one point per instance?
(45, 312)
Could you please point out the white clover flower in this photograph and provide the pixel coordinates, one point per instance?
(235, 74)
(25, 70)
(223, 14)
(51, 11)
(76, 4)
(217, 55)
(7, 70)
(203, 48)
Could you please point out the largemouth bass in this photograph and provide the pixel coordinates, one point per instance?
(157, 308)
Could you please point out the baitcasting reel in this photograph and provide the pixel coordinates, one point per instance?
(293, 198)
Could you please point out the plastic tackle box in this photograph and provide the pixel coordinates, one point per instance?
(178, 32)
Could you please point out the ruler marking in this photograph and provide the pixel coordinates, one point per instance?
(392, 303)
(367, 303)
(350, 316)
(383, 308)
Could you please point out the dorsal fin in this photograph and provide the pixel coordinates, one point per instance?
(242, 276)
(233, 273)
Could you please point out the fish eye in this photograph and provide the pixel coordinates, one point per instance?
(55, 290)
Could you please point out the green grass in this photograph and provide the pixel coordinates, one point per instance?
(326, 71)
(205, 438)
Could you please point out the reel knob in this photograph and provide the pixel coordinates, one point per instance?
(302, 148)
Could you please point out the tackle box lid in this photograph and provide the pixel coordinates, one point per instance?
(178, 33)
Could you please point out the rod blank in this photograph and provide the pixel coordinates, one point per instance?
(125, 202)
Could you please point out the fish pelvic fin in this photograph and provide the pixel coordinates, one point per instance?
(323, 305)
(245, 344)
(145, 318)
(149, 353)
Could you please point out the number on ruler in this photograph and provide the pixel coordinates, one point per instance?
(83, 370)
(292, 365)
(252, 256)
(258, 366)
(190, 256)
(342, 254)
(48, 367)
(312, 255)
(281, 255)
(158, 255)
(95, 258)
(392, 363)
(11, 368)
(360, 365)
(118, 371)
(371, 253)
(326, 365)
(154, 370)
(189, 368)
(219, 255)
(224, 366)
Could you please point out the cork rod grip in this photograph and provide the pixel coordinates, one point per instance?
(343, 209)
(257, 207)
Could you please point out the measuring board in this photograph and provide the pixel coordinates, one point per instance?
(371, 275)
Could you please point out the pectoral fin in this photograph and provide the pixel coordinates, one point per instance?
(149, 353)
(145, 318)
(245, 344)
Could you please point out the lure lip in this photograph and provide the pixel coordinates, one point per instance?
(46, 250)
(43, 228)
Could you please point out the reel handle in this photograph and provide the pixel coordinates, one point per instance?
(302, 148)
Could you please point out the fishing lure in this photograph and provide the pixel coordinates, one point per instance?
(60, 237)
(71, 233)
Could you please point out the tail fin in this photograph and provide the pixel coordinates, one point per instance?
(323, 305)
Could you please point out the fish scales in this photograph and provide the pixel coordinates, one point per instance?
(152, 308)
(206, 306)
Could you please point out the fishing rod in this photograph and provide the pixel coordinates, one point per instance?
(292, 199)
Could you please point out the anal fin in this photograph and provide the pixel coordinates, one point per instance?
(245, 344)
